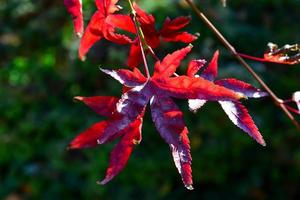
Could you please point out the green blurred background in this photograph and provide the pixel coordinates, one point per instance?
(40, 73)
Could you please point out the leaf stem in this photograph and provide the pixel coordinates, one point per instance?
(227, 44)
(141, 38)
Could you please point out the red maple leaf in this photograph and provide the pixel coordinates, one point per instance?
(125, 115)
(170, 32)
(74, 7)
(236, 112)
(100, 27)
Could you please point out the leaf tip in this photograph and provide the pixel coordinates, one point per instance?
(189, 187)
(241, 95)
(260, 94)
(262, 143)
(69, 148)
(78, 98)
(100, 182)
(104, 70)
(104, 181)
(82, 58)
(136, 142)
(79, 34)
(197, 34)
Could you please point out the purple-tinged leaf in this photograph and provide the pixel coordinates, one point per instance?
(168, 120)
(239, 115)
(195, 104)
(122, 151)
(211, 72)
(131, 106)
(241, 87)
(127, 77)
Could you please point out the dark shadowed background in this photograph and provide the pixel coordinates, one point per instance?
(40, 73)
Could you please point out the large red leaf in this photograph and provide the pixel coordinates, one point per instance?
(167, 117)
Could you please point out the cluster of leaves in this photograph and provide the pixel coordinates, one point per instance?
(125, 114)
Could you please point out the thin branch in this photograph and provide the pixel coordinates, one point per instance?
(292, 109)
(225, 42)
(141, 38)
(152, 53)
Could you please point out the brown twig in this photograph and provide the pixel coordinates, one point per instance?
(225, 42)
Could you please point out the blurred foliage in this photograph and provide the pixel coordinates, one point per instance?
(40, 73)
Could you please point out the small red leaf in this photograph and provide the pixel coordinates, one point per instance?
(194, 66)
(288, 54)
(211, 72)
